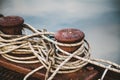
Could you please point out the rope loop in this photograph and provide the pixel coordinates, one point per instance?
(41, 47)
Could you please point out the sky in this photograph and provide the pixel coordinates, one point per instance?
(98, 19)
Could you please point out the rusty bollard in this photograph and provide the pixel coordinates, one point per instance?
(69, 36)
(11, 25)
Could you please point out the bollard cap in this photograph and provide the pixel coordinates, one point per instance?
(69, 35)
(11, 21)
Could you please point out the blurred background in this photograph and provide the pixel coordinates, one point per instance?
(98, 19)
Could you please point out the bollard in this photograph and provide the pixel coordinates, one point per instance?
(11, 25)
(69, 36)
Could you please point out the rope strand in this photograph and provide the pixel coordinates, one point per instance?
(45, 50)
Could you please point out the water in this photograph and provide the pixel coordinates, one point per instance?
(98, 19)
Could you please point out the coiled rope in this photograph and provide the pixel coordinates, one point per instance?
(42, 48)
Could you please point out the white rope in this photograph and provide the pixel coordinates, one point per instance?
(32, 72)
(44, 50)
(104, 73)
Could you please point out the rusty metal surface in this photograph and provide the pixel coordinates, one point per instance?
(11, 24)
(6, 74)
(13, 71)
(22, 69)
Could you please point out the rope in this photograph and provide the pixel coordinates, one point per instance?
(41, 48)
(104, 73)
